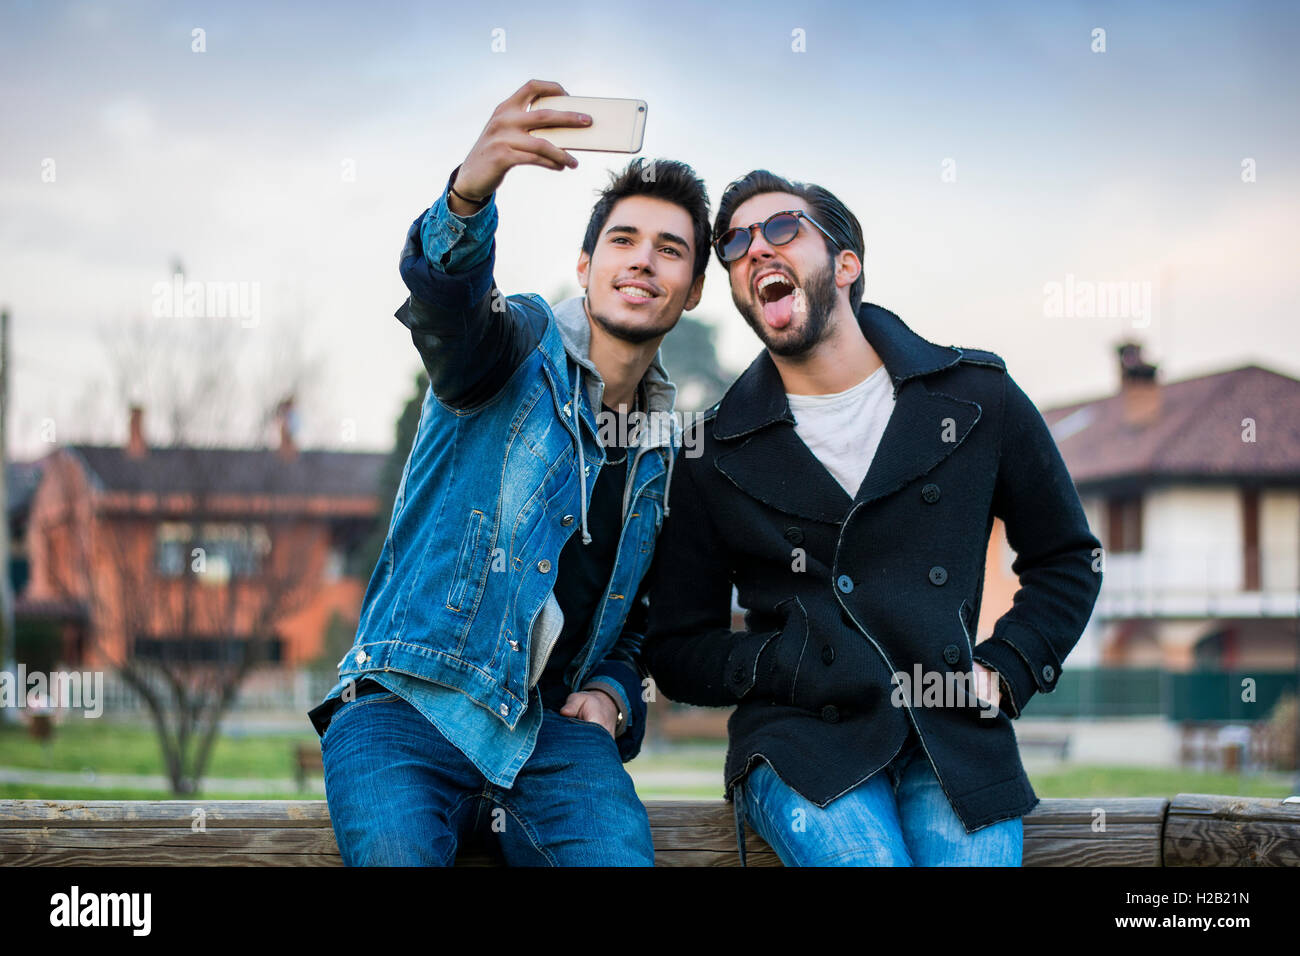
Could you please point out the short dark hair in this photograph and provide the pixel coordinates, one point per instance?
(823, 206)
(661, 179)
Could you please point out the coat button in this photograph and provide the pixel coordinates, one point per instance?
(930, 493)
(938, 575)
(831, 714)
(738, 675)
(794, 535)
(1049, 672)
(566, 520)
(844, 583)
(544, 566)
(828, 654)
(951, 655)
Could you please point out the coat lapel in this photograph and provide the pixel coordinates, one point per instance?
(773, 465)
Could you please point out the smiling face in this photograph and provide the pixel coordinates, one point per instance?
(787, 293)
(638, 277)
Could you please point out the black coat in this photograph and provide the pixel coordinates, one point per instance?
(841, 594)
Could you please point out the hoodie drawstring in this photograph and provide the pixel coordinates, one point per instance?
(582, 459)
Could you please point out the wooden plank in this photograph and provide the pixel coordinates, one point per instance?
(1201, 830)
(168, 846)
(153, 813)
(1217, 830)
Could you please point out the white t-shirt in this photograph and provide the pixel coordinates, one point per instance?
(843, 429)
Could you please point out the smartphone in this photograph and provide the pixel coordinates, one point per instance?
(617, 126)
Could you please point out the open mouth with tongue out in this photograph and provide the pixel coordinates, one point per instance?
(776, 292)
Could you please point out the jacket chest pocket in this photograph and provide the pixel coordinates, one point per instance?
(467, 559)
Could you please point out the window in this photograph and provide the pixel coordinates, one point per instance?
(1124, 524)
(226, 550)
(1250, 539)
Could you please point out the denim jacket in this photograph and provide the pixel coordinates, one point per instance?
(461, 597)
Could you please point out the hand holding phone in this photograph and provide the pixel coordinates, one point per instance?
(506, 143)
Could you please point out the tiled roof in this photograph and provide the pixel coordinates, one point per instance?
(233, 470)
(1197, 433)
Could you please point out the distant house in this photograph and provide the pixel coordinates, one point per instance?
(107, 525)
(1193, 488)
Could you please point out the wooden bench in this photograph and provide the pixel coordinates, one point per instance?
(1189, 830)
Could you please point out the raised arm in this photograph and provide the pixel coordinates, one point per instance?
(469, 336)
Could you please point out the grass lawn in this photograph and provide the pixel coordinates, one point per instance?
(112, 748)
(124, 748)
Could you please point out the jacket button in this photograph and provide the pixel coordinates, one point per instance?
(738, 675)
(930, 493)
(951, 655)
(566, 520)
(568, 408)
(544, 566)
(831, 714)
(794, 535)
(844, 583)
(828, 654)
(505, 710)
(938, 575)
(362, 657)
(1049, 672)
(514, 645)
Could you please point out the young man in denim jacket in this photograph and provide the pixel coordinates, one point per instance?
(493, 685)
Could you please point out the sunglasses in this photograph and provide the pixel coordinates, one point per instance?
(778, 229)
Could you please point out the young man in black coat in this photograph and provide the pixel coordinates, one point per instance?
(847, 485)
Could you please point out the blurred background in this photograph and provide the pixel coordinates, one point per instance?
(201, 207)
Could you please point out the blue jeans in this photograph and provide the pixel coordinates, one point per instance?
(898, 817)
(401, 794)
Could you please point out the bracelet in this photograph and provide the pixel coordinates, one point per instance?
(451, 186)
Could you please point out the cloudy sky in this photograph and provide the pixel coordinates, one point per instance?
(995, 154)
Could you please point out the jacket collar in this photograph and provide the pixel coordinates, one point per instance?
(757, 398)
(774, 466)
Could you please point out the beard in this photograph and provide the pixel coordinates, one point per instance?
(819, 299)
(633, 335)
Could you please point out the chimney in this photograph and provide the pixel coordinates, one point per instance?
(135, 445)
(1137, 386)
(287, 418)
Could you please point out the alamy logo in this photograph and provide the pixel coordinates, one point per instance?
(102, 909)
(35, 689)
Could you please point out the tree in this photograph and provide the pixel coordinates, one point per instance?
(188, 574)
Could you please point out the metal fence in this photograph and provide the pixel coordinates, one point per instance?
(1151, 692)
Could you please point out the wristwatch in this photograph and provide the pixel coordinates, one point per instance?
(621, 724)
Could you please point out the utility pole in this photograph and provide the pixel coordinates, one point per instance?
(7, 645)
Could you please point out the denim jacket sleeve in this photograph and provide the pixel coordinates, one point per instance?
(1056, 557)
(470, 337)
(454, 244)
(619, 674)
